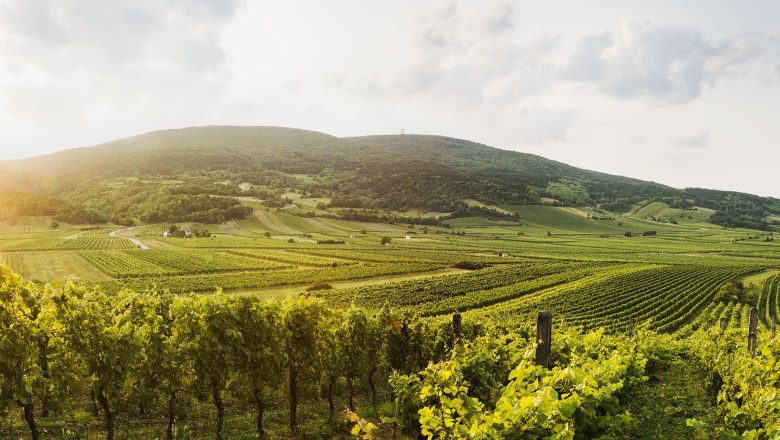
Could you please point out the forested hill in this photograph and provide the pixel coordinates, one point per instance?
(190, 150)
(487, 161)
(400, 172)
(235, 148)
(526, 177)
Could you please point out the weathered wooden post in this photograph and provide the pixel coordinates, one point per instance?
(406, 346)
(753, 331)
(774, 326)
(457, 329)
(293, 383)
(543, 338)
(724, 322)
(631, 332)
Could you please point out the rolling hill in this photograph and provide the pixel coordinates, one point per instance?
(397, 172)
(486, 161)
(188, 150)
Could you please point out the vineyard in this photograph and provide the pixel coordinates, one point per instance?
(130, 353)
(247, 280)
(205, 262)
(360, 318)
(124, 264)
(293, 258)
(769, 301)
(440, 289)
(53, 244)
(126, 354)
(747, 383)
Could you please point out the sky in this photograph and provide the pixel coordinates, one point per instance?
(685, 93)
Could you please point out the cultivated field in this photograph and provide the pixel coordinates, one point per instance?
(578, 263)
(376, 319)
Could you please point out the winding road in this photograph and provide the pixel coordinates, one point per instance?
(134, 240)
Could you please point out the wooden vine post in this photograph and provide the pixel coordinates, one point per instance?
(543, 338)
(631, 330)
(774, 326)
(753, 331)
(457, 329)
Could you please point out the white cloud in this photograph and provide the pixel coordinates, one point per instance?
(665, 63)
(63, 62)
(701, 140)
(587, 62)
(457, 62)
(501, 20)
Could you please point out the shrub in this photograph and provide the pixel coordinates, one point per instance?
(319, 285)
(468, 265)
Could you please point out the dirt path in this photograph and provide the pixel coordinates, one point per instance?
(675, 393)
(134, 240)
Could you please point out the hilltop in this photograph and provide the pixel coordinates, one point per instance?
(195, 149)
(378, 173)
(487, 161)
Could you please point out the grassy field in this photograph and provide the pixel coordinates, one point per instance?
(51, 266)
(663, 212)
(566, 220)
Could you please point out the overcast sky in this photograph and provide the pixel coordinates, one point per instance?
(685, 93)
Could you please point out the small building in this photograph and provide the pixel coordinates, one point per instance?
(503, 254)
(408, 237)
